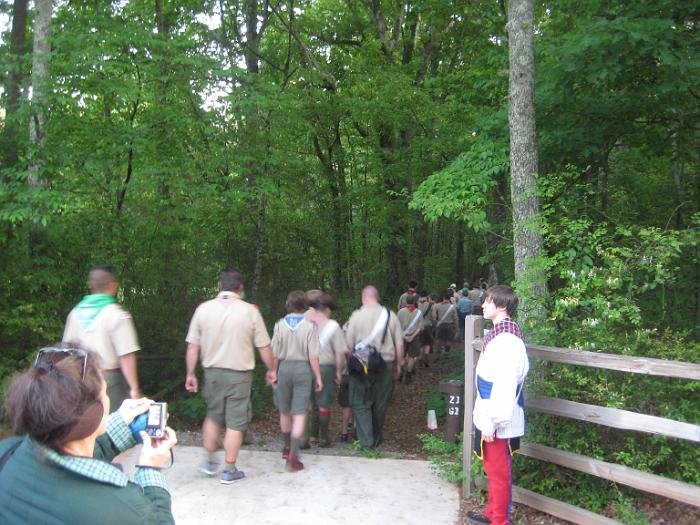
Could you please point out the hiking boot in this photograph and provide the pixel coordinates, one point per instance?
(231, 476)
(474, 518)
(209, 467)
(293, 464)
(285, 452)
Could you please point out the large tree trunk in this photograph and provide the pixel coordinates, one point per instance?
(13, 85)
(527, 238)
(40, 77)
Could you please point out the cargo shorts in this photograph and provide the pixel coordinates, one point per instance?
(227, 394)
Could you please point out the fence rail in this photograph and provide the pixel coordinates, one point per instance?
(611, 417)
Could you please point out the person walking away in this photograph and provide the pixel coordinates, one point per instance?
(447, 320)
(224, 333)
(295, 349)
(370, 393)
(98, 323)
(427, 307)
(332, 351)
(498, 410)
(464, 308)
(476, 295)
(409, 292)
(411, 321)
(312, 428)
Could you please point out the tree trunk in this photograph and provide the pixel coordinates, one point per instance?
(527, 238)
(677, 182)
(40, 77)
(15, 78)
(459, 255)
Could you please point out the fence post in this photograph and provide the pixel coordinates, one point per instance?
(473, 328)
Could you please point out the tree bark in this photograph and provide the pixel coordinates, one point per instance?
(527, 238)
(13, 86)
(40, 76)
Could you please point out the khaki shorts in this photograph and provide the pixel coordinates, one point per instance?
(227, 394)
(117, 388)
(324, 398)
(294, 384)
(412, 348)
(344, 391)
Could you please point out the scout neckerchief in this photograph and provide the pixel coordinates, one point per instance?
(91, 305)
(293, 321)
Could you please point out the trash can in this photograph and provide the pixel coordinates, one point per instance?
(455, 404)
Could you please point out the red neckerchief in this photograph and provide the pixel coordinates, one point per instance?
(411, 307)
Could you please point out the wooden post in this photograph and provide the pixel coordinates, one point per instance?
(473, 328)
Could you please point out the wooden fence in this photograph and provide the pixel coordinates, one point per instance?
(611, 417)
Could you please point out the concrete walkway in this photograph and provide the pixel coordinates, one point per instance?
(330, 490)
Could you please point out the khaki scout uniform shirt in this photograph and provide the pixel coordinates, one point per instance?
(331, 342)
(298, 345)
(227, 330)
(451, 318)
(406, 318)
(474, 295)
(111, 334)
(428, 319)
(362, 322)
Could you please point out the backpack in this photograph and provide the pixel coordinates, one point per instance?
(366, 358)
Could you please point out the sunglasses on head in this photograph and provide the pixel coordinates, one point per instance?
(48, 357)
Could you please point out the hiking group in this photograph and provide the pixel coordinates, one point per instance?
(310, 360)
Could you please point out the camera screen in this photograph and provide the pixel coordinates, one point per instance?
(154, 415)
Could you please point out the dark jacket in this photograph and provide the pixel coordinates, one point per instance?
(35, 490)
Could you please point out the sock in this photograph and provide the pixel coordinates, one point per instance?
(324, 419)
(294, 450)
(315, 413)
(231, 467)
(287, 437)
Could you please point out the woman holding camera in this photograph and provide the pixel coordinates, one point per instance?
(58, 470)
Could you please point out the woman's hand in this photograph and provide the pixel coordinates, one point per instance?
(156, 452)
(133, 407)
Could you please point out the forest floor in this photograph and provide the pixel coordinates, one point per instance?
(405, 420)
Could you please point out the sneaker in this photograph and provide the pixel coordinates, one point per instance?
(209, 467)
(285, 452)
(293, 464)
(231, 476)
(474, 518)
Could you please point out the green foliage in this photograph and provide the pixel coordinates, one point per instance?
(445, 458)
(188, 412)
(344, 158)
(369, 453)
(460, 190)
